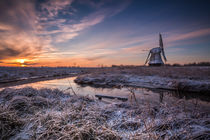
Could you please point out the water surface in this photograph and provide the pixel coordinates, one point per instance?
(142, 94)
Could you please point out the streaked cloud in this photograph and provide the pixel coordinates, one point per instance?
(4, 27)
(174, 36)
(52, 7)
(67, 31)
(170, 39)
(95, 58)
(17, 30)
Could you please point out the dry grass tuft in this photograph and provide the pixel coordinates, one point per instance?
(10, 123)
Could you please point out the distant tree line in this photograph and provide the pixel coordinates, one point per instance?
(190, 64)
(198, 64)
(175, 65)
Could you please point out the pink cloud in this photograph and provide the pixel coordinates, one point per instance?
(173, 37)
(5, 27)
(169, 40)
(140, 44)
(65, 36)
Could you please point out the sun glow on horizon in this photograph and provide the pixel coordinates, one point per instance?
(22, 61)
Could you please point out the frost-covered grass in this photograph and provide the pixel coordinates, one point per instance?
(193, 73)
(155, 82)
(29, 113)
(189, 72)
(193, 79)
(10, 74)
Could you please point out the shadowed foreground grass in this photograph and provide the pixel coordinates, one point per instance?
(29, 113)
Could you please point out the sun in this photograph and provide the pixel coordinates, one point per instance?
(22, 61)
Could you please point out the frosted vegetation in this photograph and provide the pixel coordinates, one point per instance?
(186, 78)
(192, 79)
(29, 113)
(12, 74)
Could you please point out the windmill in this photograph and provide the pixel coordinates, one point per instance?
(154, 57)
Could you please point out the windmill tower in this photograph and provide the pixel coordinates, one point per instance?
(154, 57)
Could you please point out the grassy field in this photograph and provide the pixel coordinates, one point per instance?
(190, 72)
(51, 114)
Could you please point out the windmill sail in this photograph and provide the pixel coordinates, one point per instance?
(161, 46)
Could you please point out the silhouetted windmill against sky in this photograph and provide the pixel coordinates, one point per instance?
(154, 57)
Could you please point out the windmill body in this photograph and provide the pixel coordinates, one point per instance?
(154, 57)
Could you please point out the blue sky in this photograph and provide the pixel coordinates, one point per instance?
(95, 32)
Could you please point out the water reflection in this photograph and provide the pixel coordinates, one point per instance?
(147, 95)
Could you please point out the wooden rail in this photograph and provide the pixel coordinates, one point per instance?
(111, 97)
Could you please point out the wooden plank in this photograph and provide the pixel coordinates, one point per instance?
(111, 97)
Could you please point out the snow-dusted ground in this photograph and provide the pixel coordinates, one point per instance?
(133, 80)
(10, 74)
